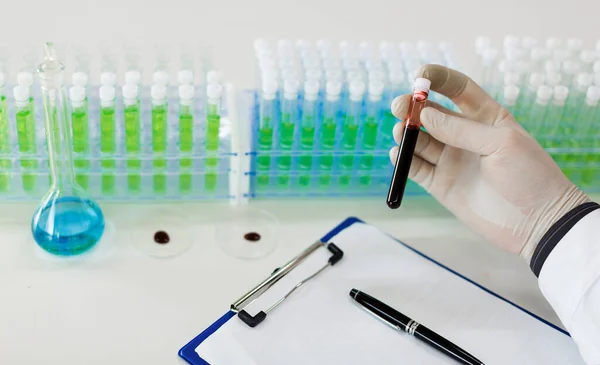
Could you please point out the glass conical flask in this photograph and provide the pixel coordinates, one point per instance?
(67, 222)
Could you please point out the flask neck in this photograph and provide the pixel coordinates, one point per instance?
(58, 136)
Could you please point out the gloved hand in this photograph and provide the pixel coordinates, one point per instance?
(484, 167)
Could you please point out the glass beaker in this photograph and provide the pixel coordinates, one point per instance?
(67, 222)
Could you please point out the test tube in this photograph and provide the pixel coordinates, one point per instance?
(133, 137)
(133, 77)
(185, 77)
(108, 78)
(108, 145)
(553, 43)
(570, 68)
(158, 94)
(25, 78)
(409, 141)
(370, 130)
(267, 118)
(328, 129)
(186, 135)
(589, 116)
(537, 113)
(350, 130)
(26, 135)
(307, 132)
(287, 128)
(528, 96)
(161, 78)
(214, 93)
(553, 128)
(80, 126)
(587, 59)
(5, 141)
(574, 46)
(553, 79)
(510, 97)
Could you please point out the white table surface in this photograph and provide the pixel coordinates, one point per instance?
(119, 306)
(122, 307)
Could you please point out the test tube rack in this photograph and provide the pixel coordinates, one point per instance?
(357, 164)
(553, 89)
(198, 172)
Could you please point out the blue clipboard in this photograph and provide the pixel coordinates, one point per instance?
(188, 352)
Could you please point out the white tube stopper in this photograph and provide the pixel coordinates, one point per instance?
(333, 88)
(185, 77)
(311, 89)
(587, 56)
(107, 93)
(290, 89)
(510, 42)
(160, 78)
(213, 77)
(560, 54)
(570, 67)
(334, 75)
(592, 95)
(373, 64)
(538, 54)
(77, 94)
(130, 91)
(25, 78)
(214, 91)
(529, 42)
(353, 76)
(584, 80)
(551, 66)
(535, 80)
(574, 44)
(376, 76)
(397, 77)
(511, 94)
(561, 93)
(133, 77)
(421, 84)
(553, 78)
(79, 79)
(375, 90)
(158, 92)
(544, 94)
(314, 74)
(108, 79)
(553, 43)
(186, 92)
(357, 90)
(21, 93)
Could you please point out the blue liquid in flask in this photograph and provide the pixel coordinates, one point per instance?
(68, 226)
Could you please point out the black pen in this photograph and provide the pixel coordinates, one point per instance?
(400, 322)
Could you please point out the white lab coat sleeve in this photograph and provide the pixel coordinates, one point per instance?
(570, 281)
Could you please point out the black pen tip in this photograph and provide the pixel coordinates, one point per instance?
(353, 293)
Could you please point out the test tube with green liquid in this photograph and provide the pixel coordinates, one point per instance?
(80, 127)
(5, 148)
(537, 112)
(350, 127)
(158, 94)
(133, 136)
(186, 136)
(370, 130)
(396, 81)
(213, 125)
(328, 130)
(527, 97)
(569, 123)
(267, 118)
(510, 97)
(26, 136)
(553, 128)
(287, 127)
(108, 145)
(586, 133)
(307, 131)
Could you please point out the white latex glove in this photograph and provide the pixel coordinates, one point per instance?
(484, 167)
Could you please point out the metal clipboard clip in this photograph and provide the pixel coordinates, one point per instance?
(253, 321)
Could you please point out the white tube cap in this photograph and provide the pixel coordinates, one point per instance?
(186, 92)
(290, 88)
(376, 76)
(570, 67)
(333, 88)
(130, 91)
(133, 77)
(529, 42)
(593, 94)
(552, 66)
(560, 54)
(311, 89)
(375, 90)
(314, 74)
(79, 79)
(544, 93)
(108, 79)
(158, 92)
(269, 89)
(25, 78)
(397, 77)
(538, 54)
(160, 78)
(584, 80)
(574, 44)
(107, 93)
(421, 84)
(535, 80)
(553, 43)
(561, 93)
(185, 77)
(587, 56)
(511, 94)
(77, 94)
(510, 42)
(357, 90)
(553, 78)
(334, 75)
(21, 93)
(213, 77)
(214, 91)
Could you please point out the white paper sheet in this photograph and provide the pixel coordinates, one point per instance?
(320, 324)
